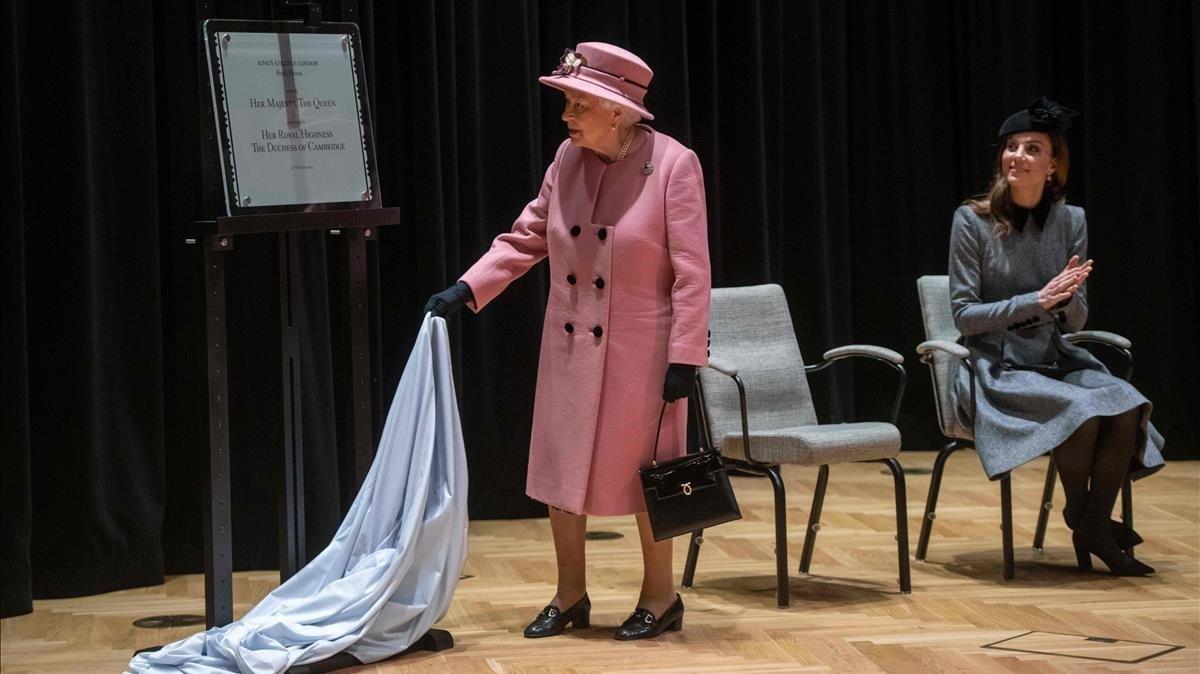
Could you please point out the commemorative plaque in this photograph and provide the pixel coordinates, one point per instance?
(291, 118)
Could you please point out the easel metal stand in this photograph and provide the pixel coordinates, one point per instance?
(218, 539)
(358, 227)
(291, 494)
(360, 352)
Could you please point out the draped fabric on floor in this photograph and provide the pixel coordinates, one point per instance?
(392, 567)
(836, 139)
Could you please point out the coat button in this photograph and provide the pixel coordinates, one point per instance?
(575, 230)
(571, 279)
(597, 331)
(569, 328)
(599, 282)
(603, 234)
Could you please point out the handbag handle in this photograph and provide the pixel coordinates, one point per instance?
(663, 411)
(654, 459)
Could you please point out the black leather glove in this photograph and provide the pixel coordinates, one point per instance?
(449, 300)
(679, 382)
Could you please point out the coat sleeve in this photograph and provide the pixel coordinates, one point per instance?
(973, 316)
(1072, 314)
(687, 246)
(514, 252)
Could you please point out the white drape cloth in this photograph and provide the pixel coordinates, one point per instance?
(391, 569)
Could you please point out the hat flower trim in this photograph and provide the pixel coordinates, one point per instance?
(1044, 111)
(1049, 113)
(570, 62)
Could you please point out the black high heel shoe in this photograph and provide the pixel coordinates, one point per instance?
(1104, 547)
(641, 624)
(1122, 533)
(552, 620)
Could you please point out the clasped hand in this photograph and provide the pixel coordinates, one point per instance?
(1063, 286)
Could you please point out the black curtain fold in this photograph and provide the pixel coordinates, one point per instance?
(836, 140)
(93, 342)
(15, 591)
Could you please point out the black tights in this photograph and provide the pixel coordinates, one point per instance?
(1093, 463)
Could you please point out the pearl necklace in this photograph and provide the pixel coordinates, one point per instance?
(625, 145)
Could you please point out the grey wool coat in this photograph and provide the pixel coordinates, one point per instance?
(1020, 414)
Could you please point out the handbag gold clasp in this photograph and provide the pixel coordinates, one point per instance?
(687, 488)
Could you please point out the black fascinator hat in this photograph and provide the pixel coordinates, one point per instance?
(1042, 114)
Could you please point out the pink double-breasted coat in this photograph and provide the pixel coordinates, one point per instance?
(629, 294)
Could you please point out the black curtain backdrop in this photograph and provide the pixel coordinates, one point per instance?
(836, 140)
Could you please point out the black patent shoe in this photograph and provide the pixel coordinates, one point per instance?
(1118, 563)
(552, 620)
(641, 624)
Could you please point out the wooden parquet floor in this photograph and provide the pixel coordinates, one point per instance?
(847, 616)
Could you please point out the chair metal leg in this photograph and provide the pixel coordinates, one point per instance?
(689, 568)
(901, 523)
(782, 591)
(1127, 508)
(1006, 525)
(1039, 536)
(935, 485)
(814, 519)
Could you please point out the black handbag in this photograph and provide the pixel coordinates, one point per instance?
(688, 493)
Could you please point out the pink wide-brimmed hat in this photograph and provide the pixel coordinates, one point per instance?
(605, 71)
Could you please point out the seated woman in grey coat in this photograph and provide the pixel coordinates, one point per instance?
(1018, 273)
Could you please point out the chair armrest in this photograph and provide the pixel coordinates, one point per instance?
(890, 358)
(945, 346)
(724, 367)
(1110, 339)
(865, 350)
(954, 350)
(730, 370)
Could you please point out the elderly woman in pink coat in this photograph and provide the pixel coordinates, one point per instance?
(621, 216)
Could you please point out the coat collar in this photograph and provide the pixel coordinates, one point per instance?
(1040, 213)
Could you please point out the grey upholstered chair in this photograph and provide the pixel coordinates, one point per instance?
(754, 394)
(942, 353)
